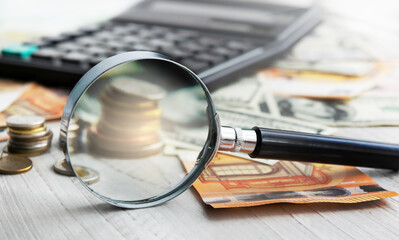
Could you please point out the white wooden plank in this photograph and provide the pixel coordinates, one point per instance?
(43, 205)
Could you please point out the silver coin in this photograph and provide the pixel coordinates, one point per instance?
(24, 121)
(73, 127)
(62, 167)
(135, 87)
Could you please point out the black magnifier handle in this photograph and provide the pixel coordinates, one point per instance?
(304, 147)
(287, 145)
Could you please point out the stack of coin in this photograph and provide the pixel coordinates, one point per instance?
(28, 135)
(74, 134)
(130, 121)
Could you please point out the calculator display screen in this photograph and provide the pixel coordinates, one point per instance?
(239, 16)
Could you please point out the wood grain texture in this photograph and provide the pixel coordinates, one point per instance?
(41, 204)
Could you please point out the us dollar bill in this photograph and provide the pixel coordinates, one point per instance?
(248, 119)
(195, 138)
(250, 93)
(367, 110)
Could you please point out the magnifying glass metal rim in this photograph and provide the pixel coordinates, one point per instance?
(206, 155)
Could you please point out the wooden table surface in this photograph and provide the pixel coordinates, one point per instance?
(41, 204)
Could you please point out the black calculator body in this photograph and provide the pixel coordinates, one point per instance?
(218, 39)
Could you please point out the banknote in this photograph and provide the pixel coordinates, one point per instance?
(354, 68)
(3, 135)
(231, 181)
(194, 138)
(288, 82)
(366, 110)
(10, 91)
(346, 38)
(249, 119)
(247, 94)
(336, 39)
(37, 100)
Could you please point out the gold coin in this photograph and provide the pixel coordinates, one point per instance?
(27, 128)
(27, 136)
(88, 176)
(15, 164)
(47, 137)
(131, 116)
(100, 139)
(27, 152)
(116, 131)
(27, 132)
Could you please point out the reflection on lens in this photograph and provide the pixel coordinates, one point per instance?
(126, 119)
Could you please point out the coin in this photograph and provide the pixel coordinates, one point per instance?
(26, 136)
(111, 102)
(115, 131)
(62, 167)
(27, 152)
(136, 88)
(141, 140)
(73, 127)
(132, 115)
(29, 145)
(15, 164)
(18, 138)
(28, 132)
(88, 175)
(25, 121)
(127, 153)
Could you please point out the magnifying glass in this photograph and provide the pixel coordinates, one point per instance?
(124, 113)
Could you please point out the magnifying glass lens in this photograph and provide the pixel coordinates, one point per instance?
(125, 127)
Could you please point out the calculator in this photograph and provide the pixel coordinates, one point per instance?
(219, 40)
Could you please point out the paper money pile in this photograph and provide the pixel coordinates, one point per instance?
(236, 182)
(330, 79)
(28, 99)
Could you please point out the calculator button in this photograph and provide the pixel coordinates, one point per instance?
(94, 60)
(76, 58)
(68, 47)
(239, 46)
(175, 53)
(192, 47)
(195, 65)
(47, 54)
(87, 41)
(184, 34)
(19, 50)
(212, 59)
(210, 42)
(131, 39)
(159, 43)
(144, 47)
(97, 51)
(225, 52)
